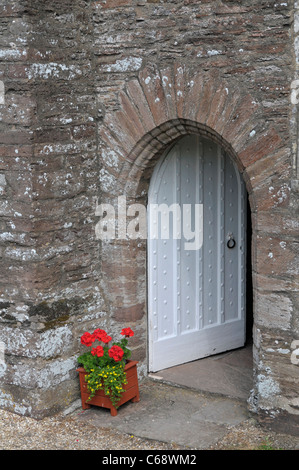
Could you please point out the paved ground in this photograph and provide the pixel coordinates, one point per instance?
(168, 417)
(180, 407)
(175, 415)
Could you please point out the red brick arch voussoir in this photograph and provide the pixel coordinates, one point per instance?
(161, 105)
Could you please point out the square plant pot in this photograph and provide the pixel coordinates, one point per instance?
(100, 399)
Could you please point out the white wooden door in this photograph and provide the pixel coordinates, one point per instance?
(196, 287)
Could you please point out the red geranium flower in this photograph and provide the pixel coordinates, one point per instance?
(106, 339)
(99, 334)
(98, 351)
(127, 332)
(116, 353)
(87, 339)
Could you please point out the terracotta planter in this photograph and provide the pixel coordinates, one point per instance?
(100, 399)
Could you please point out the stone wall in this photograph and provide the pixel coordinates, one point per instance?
(49, 170)
(95, 91)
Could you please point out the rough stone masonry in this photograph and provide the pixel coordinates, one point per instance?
(92, 93)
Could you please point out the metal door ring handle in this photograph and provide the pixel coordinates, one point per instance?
(231, 243)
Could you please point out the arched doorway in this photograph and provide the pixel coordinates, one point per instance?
(196, 254)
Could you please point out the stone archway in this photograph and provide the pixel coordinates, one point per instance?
(155, 109)
(162, 105)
